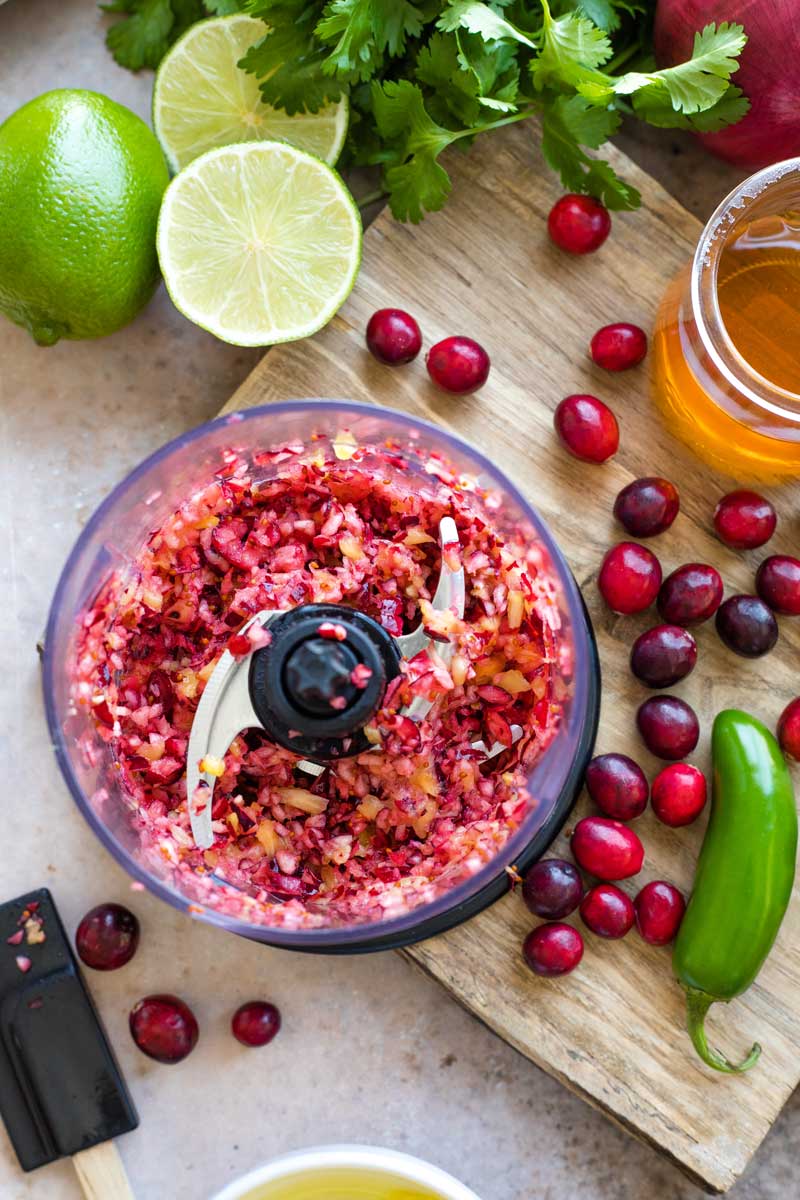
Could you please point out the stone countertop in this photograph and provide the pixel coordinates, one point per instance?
(371, 1051)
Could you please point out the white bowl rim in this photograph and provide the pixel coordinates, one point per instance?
(409, 1168)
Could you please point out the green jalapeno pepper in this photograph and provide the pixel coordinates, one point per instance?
(744, 875)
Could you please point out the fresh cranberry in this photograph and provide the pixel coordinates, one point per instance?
(393, 336)
(669, 727)
(578, 224)
(789, 729)
(552, 888)
(778, 584)
(164, 1028)
(659, 911)
(607, 911)
(458, 364)
(617, 785)
(679, 794)
(553, 949)
(647, 506)
(107, 937)
(629, 579)
(664, 655)
(747, 626)
(159, 690)
(619, 346)
(607, 849)
(691, 594)
(744, 520)
(587, 428)
(256, 1023)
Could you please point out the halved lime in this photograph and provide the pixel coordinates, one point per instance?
(201, 99)
(259, 243)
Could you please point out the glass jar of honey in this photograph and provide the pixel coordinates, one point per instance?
(727, 339)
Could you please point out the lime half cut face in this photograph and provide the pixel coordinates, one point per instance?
(259, 243)
(202, 99)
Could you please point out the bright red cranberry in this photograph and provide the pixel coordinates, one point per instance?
(647, 506)
(659, 911)
(691, 594)
(159, 690)
(619, 346)
(664, 655)
(789, 729)
(744, 520)
(629, 579)
(669, 727)
(552, 888)
(553, 949)
(587, 428)
(393, 336)
(458, 364)
(679, 794)
(578, 224)
(607, 849)
(607, 911)
(256, 1023)
(747, 626)
(164, 1028)
(617, 785)
(107, 937)
(778, 584)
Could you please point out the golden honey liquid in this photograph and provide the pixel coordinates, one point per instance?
(758, 291)
(342, 1183)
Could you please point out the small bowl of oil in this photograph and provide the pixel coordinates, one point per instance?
(347, 1173)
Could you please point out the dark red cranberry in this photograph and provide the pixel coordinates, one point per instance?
(629, 579)
(607, 849)
(256, 1023)
(679, 794)
(619, 346)
(647, 506)
(663, 656)
(578, 224)
(587, 428)
(617, 785)
(107, 937)
(552, 888)
(159, 690)
(744, 520)
(669, 727)
(607, 911)
(659, 911)
(747, 626)
(691, 594)
(458, 364)
(393, 336)
(789, 729)
(778, 584)
(164, 1028)
(553, 949)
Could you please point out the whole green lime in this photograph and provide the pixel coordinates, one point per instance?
(81, 181)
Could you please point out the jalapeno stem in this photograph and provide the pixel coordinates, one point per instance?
(697, 1005)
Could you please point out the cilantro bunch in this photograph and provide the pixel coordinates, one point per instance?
(428, 74)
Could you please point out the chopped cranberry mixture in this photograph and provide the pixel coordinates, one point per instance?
(331, 522)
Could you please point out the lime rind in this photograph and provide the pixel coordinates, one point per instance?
(259, 243)
(203, 100)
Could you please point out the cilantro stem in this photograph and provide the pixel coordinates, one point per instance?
(519, 116)
(610, 67)
(371, 197)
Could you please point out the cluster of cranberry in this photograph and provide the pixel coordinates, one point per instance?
(162, 1026)
(455, 364)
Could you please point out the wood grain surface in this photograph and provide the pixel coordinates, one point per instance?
(614, 1030)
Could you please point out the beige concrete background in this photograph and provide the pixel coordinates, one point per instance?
(371, 1051)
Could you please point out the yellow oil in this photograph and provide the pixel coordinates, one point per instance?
(342, 1183)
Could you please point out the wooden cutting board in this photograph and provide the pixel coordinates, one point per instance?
(613, 1031)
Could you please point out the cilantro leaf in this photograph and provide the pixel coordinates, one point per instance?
(287, 60)
(222, 8)
(565, 121)
(363, 31)
(572, 50)
(657, 110)
(142, 38)
(415, 180)
(480, 18)
(453, 89)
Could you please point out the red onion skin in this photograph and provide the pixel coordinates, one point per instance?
(768, 75)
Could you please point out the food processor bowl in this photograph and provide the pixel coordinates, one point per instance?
(114, 536)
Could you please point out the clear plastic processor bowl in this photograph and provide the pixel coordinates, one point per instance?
(116, 533)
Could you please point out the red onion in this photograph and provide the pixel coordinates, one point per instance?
(768, 75)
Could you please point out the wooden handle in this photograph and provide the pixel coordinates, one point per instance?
(101, 1173)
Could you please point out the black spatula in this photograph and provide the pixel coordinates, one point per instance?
(61, 1092)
